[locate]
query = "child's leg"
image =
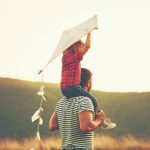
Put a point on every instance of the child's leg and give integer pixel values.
(76, 90)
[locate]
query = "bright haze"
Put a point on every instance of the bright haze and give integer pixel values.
(119, 56)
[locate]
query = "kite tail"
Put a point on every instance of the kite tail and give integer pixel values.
(37, 116)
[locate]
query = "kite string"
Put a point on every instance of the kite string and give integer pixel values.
(41, 71)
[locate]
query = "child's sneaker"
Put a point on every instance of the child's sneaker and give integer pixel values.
(107, 124)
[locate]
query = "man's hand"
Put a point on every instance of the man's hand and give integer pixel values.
(53, 123)
(100, 115)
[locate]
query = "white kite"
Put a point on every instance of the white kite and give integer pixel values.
(73, 35)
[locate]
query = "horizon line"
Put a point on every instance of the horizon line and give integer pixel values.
(111, 91)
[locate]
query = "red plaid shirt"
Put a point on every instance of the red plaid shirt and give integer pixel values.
(71, 68)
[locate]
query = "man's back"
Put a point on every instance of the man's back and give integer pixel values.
(67, 111)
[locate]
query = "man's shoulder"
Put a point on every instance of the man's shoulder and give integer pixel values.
(79, 99)
(86, 104)
(61, 100)
(83, 99)
(79, 104)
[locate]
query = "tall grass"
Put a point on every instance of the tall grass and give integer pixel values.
(100, 143)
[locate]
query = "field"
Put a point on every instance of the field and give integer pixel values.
(100, 143)
(18, 102)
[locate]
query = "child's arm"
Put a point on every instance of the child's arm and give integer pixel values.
(87, 45)
(88, 40)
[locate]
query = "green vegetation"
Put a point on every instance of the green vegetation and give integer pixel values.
(18, 102)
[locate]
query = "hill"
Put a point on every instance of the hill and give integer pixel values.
(18, 102)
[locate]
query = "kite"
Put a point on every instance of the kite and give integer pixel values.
(71, 36)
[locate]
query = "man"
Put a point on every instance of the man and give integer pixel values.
(76, 118)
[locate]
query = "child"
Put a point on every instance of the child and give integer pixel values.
(71, 70)
(71, 73)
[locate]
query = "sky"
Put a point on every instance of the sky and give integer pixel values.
(120, 48)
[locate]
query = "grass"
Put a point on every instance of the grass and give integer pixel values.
(100, 143)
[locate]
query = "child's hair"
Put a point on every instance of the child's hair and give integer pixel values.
(86, 76)
(75, 46)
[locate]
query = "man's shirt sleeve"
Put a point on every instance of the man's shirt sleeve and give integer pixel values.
(86, 105)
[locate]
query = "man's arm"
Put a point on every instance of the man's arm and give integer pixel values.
(84, 48)
(87, 124)
(53, 123)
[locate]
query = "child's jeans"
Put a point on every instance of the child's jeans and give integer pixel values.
(77, 90)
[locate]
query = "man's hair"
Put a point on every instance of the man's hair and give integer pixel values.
(86, 76)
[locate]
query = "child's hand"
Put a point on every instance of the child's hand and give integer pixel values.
(89, 34)
(81, 48)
